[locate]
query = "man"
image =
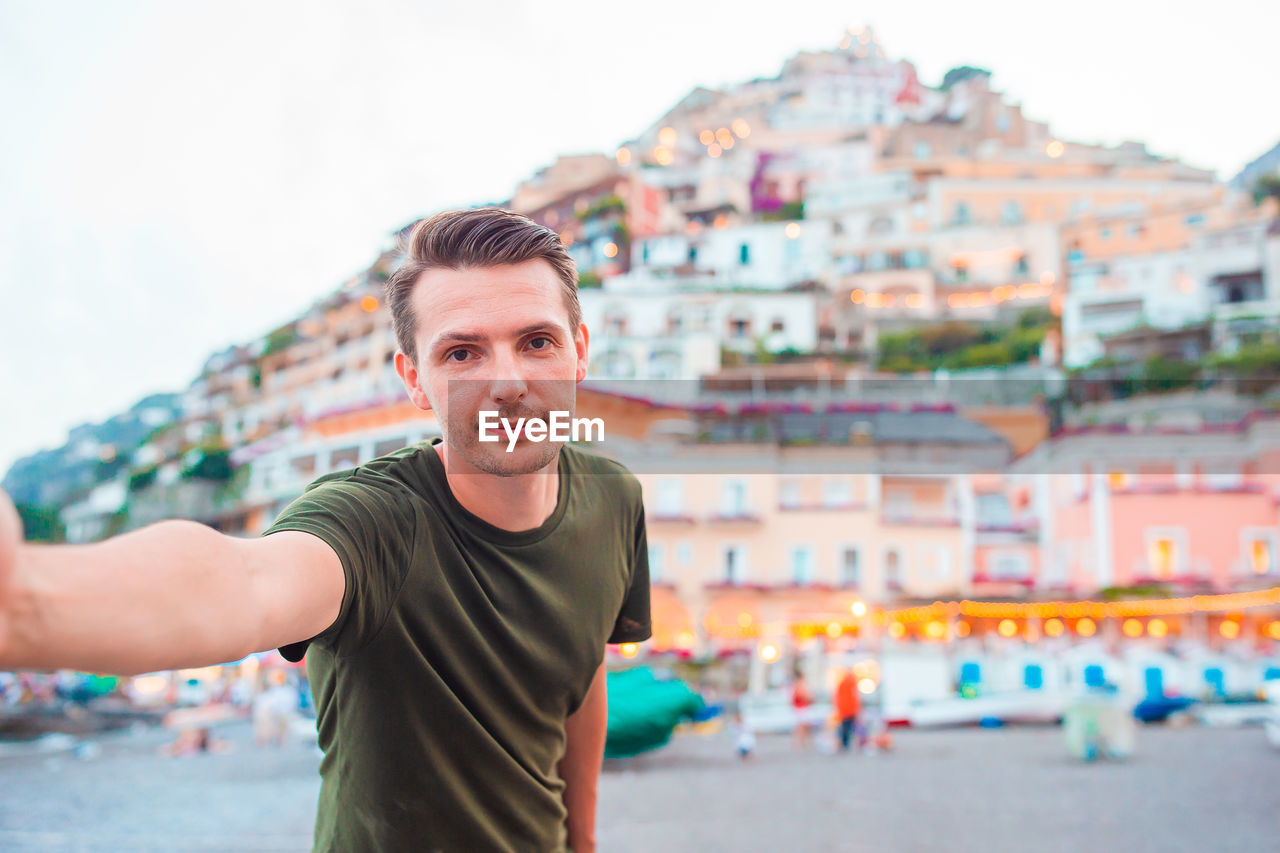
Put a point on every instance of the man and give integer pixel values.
(456, 597)
(848, 706)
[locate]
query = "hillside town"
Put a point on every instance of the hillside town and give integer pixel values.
(893, 362)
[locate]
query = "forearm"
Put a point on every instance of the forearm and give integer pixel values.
(580, 767)
(136, 603)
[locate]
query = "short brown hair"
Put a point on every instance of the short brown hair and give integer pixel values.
(481, 237)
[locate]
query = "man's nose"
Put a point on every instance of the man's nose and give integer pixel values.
(507, 385)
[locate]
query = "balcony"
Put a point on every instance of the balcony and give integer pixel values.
(734, 517)
(666, 517)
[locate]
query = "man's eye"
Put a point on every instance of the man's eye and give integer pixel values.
(460, 352)
(547, 341)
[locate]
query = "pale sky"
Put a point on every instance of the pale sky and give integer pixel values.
(178, 177)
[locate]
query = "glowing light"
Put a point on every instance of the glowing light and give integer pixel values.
(962, 629)
(629, 650)
(1054, 627)
(858, 608)
(150, 685)
(566, 237)
(857, 297)
(1132, 628)
(369, 304)
(740, 128)
(914, 300)
(768, 653)
(956, 300)
(1157, 628)
(744, 620)
(1007, 628)
(667, 136)
(713, 150)
(896, 630)
(623, 156)
(684, 640)
(866, 686)
(792, 230)
(834, 630)
(1229, 629)
(935, 630)
(707, 137)
(610, 250)
(1055, 149)
(720, 221)
(1047, 278)
(1273, 630)
(663, 156)
(1085, 627)
(875, 300)
(722, 134)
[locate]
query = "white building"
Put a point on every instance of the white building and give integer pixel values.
(647, 328)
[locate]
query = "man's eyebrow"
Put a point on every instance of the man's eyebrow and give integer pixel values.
(467, 336)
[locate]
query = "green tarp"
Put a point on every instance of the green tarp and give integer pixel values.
(643, 710)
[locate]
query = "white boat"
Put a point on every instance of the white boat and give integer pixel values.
(1015, 706)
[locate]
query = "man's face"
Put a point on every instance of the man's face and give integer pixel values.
(494, 339)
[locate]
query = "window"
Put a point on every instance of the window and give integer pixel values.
(644, 253)
(1011, 566)
(1195, 219)
(777, 325)
(733, 498)
(850, 570)
(914, 259)
(960, 214)
(1162, 555)
(892, 569)
(734, 564)
(790, 496)
(1105, 233)
(802, 565)
(923, 150)
(961, 272)
(1022, 267)
(744, 254)
(693, 254)
(1011, 212)
(1261, 555)
(655, 562)
(993, 510)
(670, 497)
(836, 493)
(684, 552)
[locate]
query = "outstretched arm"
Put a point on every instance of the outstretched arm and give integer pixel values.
(171, 595)
(584, 732)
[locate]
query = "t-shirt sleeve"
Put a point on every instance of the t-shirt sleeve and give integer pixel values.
(634, 622)
(372, 529)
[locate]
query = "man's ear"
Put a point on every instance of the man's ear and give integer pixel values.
(580, 341)
(409, 376)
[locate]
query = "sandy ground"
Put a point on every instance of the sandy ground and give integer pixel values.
(943, 792)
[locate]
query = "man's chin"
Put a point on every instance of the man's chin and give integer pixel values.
(526, 458)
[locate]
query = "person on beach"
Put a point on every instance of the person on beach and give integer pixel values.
(453, 599)
(848, 705)
(802, 702)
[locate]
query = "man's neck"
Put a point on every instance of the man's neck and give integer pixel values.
(515, 504)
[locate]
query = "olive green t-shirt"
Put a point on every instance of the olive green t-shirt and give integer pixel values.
(443, 686)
